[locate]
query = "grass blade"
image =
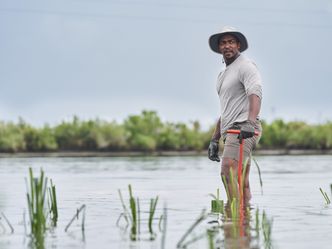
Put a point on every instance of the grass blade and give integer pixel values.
(200, 218)
(259, 174)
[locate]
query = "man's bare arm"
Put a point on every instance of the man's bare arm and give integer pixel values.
(216, 134)
(254, 107)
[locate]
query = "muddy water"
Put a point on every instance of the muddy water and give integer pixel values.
(290, 197)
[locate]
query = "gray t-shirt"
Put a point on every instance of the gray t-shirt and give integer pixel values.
(239, 80)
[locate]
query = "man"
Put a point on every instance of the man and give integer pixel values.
(239, 87)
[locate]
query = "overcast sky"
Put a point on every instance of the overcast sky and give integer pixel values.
(113, 58)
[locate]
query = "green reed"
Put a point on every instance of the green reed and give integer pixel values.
(224, 181)
(131, 215)
(53, 206)
(257, 227)
(232, 185)
(217, 205)
(8, 223)
(327, 199)
(36, 196)
(133, 209)
(153, 205)
(259, 174)
(76, 216)
(36, 202)
(200, 218)
(125, 214)
(243, 178)
(163, 218)
(211, 236)
(267, 231)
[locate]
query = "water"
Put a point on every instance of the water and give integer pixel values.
(290, 197)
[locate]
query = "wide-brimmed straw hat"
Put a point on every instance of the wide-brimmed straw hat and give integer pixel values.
(214, 39)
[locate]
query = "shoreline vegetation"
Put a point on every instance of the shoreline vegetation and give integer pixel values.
(154, 154)
(146, 135)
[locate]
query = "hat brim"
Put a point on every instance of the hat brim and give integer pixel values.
(214, 40)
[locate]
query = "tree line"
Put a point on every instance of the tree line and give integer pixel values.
(146, 132)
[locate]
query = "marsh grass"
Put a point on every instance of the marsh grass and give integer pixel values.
(233, 184)
(53, 206)
(267, 231)
(76, 216)
(125, 213)
(327, 199)
(182, 242)
(36, 201)
(259, 174)
(153, 205)
(132, 216)
(263, 229)
(257, 226)
(36, 194)
(232, 187)
(163, 219)
(224, 180)
(3, 216)
(217, 205)
(211, 237)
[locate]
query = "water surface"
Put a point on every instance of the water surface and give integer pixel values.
(290, 196)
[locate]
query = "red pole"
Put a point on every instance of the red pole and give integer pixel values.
(239, 172)
(239, 179)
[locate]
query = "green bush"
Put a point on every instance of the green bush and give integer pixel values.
(11, 138)
(146, 132)
(40, 139)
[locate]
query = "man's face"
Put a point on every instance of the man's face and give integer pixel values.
(229, 46)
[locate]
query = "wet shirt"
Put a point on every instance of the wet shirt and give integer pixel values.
(239, 80)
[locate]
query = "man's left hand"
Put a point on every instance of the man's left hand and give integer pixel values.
(247, 131)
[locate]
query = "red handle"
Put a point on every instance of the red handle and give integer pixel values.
(238, 132)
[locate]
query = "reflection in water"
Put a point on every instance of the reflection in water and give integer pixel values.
(5, 225)
(243, 230)
(36, 241)
(36, 197)
(235, 228)
(95, 183)
(132, 217)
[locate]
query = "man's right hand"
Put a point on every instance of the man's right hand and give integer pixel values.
(213, 151)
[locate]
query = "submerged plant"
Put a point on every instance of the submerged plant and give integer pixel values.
(8, 223)
(233, 187)
(163, 219)
(153, 205)
(36, 199)
(211, 236)
(217, 205)
(259, 174)
(76, 216)
(327, 199)
(36, 204)
(200, 218)
(267, 231)
(257, 227)
(132, 216)
(133, 209)
(53, 206)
